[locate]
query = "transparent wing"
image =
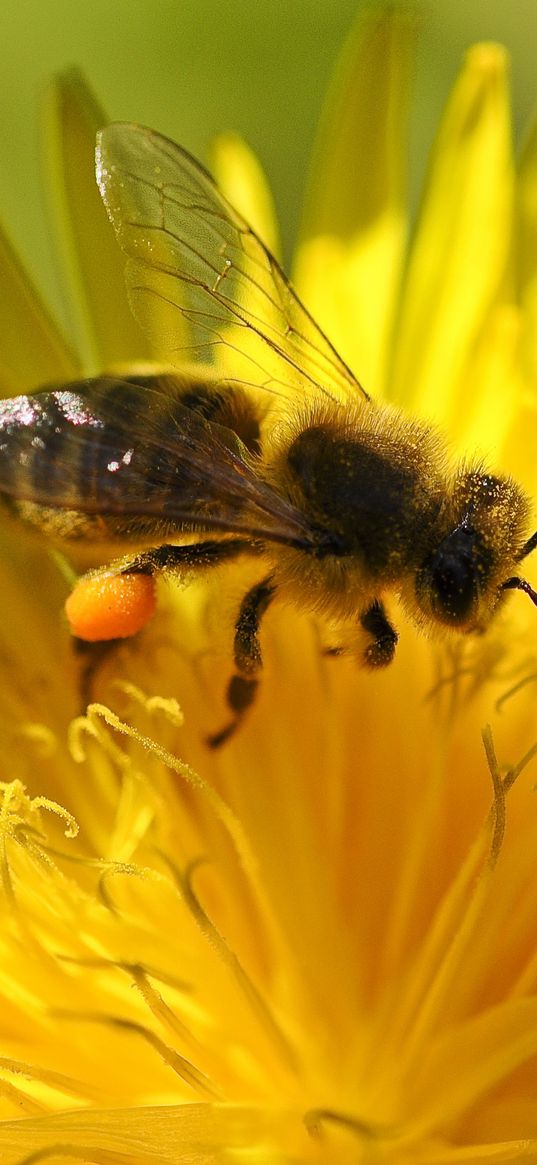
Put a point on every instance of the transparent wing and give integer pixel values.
(201, 278)
(133, 456)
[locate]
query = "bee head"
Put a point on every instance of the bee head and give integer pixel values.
(463, 577)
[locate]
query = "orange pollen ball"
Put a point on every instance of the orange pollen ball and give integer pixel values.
(110, 606)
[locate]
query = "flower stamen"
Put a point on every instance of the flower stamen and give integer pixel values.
(179, 1064)
(364, 1130)
(255, 1000)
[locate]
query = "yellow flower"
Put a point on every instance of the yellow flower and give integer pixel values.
(319, 943)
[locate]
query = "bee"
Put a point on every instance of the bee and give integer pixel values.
(255, 441)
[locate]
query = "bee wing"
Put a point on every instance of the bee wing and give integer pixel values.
(201, 279)
(133, 453)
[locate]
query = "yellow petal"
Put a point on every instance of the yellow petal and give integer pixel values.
(106, 329)
(201, 1134)
(492, 407)
(473, 1057)
(25, 365)
(352, 245)
(459, 260)
(241, 178)
(526, 248)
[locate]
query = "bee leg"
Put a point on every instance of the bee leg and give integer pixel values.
(243, 684)
(92, 656)
(197, 555)
(381, 648)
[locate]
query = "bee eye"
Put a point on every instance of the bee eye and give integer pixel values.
(453, 590)
(447, 585)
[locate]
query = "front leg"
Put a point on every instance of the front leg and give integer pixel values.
(242, 687)
(381, 638)
(381, 647)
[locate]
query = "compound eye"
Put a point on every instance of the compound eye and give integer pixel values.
(453, 591)
(447, 585)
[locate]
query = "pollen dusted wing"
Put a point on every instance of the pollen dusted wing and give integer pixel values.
(134, 456)
(201, 278)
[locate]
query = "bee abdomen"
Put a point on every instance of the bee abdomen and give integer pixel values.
(122, 458)
(37, 464)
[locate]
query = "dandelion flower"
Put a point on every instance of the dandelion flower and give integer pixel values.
(317, 944)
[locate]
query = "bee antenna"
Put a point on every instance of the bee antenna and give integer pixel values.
(520, 584)
(527, 548)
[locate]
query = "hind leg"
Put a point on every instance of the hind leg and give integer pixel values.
(195, 556)
(192, 559)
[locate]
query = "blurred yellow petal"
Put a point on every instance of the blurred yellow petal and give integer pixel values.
(105, 328)
(241, 178)
(32, 625)
(518, 452)
(497, 389)
(45, 355)
(352, 243)
(460, 258)
(526, 248)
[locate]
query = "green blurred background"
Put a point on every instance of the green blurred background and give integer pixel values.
(191, 68)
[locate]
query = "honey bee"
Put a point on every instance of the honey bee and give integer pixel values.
(261, 443)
